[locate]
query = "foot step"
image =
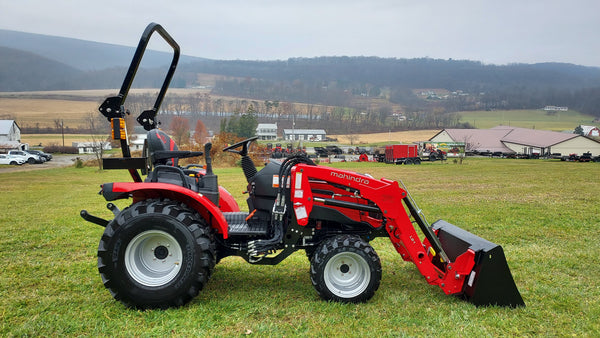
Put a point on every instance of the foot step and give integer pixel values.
(239, 227)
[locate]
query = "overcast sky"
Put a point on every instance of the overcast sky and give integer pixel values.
(491, 31)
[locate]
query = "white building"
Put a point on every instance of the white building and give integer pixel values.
(304, 134)
(90, 147)
(266, 131)
(138, 138)
(10, 135)
(556, 108)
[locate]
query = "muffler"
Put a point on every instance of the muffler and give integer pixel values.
(490, 281)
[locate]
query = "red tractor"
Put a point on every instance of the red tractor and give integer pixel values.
(160, 251)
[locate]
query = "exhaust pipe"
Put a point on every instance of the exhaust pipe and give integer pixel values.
(490, 281)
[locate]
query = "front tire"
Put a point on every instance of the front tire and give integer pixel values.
(156, 254)
(345, 269)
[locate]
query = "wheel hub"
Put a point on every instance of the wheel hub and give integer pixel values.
(161, 252)
(344, 268)
(153, 258)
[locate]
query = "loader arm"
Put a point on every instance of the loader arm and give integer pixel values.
(387, 197)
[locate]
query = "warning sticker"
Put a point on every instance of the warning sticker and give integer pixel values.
(298, 183)
(300, 212)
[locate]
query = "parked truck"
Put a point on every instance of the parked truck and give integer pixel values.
(402, 154)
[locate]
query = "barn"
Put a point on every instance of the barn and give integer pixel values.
(10, 135)
(514, 140)
(592, 131)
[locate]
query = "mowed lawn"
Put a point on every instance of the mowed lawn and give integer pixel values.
(545, 214)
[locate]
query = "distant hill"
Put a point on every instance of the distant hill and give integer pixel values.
(39, 62)
(82, 54)
(26, 71)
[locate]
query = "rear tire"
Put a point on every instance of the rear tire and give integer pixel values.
(156, 254)
(345, 269)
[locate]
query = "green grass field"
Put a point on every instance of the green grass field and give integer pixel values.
(544, 213)
(533, 119)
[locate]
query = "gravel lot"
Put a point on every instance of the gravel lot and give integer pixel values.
(57, 161)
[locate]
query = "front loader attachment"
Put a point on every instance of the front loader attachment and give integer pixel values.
(463, 257)
(490, 281)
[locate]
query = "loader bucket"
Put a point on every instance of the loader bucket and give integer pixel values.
(490, 281)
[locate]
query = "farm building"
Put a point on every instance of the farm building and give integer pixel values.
(266, 131)
(137, 138)
(591, 131)
(304, 134)
(10, 135)
(513, 140)
(90, 147)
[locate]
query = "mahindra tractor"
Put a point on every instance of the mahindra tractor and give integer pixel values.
(161, 250)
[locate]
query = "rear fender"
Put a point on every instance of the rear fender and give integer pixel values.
(197, 201)
(227, 202)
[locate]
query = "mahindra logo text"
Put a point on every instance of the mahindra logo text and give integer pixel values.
(357, 179)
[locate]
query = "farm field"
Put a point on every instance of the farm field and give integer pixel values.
(544, 214)
(72, 106)
(533, 119)
(43, 112)
(55, 139)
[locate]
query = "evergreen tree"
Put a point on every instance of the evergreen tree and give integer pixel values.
(248, 123)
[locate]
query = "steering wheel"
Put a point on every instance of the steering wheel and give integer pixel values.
(245, 144)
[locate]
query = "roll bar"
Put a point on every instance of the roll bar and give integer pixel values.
(113, 107)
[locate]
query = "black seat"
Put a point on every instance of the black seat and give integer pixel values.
(163, 150)
(164, 156)
(159, 141)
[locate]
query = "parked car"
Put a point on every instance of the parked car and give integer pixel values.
(8, 159)
(26, 156)
(40, 153)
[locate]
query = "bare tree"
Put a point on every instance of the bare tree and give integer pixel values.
(200, 133)
(180, 129)
(95, 123)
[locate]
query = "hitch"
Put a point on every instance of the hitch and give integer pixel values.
(93, 219)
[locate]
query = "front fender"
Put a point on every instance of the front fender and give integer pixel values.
(143, 191)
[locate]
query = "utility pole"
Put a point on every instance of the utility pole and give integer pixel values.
(293, 130)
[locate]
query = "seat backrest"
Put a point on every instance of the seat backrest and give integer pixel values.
(160, 141)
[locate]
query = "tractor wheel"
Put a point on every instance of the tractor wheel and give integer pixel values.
(310, 253)
(345, 269)
(156, 254)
